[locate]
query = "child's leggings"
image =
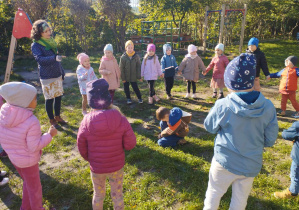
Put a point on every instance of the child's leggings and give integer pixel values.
(84, 102)
(112, 95)
(57, 106)
(32, 188)
(151, 84)
(135, 88)
(219, 181)
(189, 86)
(99, 189)
(292, 97)
(168, 81)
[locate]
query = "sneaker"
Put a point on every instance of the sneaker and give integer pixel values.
(220, 96)
(284, 194)
(182, 142)
(3, 154)
(168, 97)
(140, 101)
(193, 95)
(150, 100)
(129, 101)
(3, 173)
(4, 181)
(214, 95)
(156, 98)
(187, 95)
(296, 115)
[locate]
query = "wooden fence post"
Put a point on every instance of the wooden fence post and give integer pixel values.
(205, 33)
(243, 29)
(13, 43)
(222, 23)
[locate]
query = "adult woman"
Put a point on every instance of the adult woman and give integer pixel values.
(51, 73)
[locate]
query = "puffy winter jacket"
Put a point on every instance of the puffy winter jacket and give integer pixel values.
(110, 71)
(152, 69)
(102, 137)
(261, 62)
(288, 80)
(21, 136)
(190, 68)
(46, 59)
(130, 68)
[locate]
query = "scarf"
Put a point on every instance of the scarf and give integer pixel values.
(130, 55)
(50, 44)
(191, 56)
(150, 57)
(105, 58)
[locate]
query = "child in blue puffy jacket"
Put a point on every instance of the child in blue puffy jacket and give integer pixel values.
(169, 67)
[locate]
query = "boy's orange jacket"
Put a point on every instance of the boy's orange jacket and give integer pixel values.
(288, 80)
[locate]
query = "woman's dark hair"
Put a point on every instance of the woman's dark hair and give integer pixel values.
(37, 29)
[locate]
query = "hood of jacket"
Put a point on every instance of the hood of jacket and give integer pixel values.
(165, 47)
(242, 109)
(11, 116)
(103, 122)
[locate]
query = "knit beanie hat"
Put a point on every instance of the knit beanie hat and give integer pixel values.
(192, 48)
(166, 47)
(175, 115)
(293, 59)
(128, 43)
(151, 47)
(253, 41)
(82, 57)
(98, 96)
(220, 46)
(18, 93)
(108, 47)
(240, 72)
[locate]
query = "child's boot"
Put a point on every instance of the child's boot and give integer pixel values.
(150, 100)
(284, 194)
(54, 123)
(220, 96)
(187, 95)
(193, 95)
(60, 120)
(214, 95)
(156, 98)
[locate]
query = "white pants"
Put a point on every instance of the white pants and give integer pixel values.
(219, 181)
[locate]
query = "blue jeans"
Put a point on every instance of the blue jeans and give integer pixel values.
(294, 188)
(169, 141)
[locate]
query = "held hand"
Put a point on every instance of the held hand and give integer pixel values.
(179, 73)
(52, 131)
(63, 56)
(124, 81)
(204, 73)
(141, 80)
(162, 75)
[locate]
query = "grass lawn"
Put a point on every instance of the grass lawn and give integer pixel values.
(155, 177)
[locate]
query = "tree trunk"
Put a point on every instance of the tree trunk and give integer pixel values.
(291, 32)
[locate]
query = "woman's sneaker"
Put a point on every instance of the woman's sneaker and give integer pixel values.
(3, 173)
(129, 101)
(187, 95)
(4, 181)
(140, 101)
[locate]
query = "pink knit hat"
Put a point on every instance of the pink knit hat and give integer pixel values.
(192, 48)
(151, 47)
(82, 57)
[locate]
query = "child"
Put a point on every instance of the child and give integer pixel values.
(261, 62)
(130, 68)
(292, 134)
(288, 84)
(190, 69)
(3, 180)
(169, 67)
(85, 74)
(219, 62)
(21, 137)
(150, 70)
(178, 121)
(103, 136)
(245, 122)
(109, 70)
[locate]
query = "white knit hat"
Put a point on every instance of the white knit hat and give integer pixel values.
(18, 93)
(220, 46)
(192, 48)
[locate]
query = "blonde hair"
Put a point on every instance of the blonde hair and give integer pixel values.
(146, 57)
(128, 43)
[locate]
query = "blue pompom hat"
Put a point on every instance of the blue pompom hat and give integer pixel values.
(98, 96)
(175, 115)
(253, 41)
(240, 72)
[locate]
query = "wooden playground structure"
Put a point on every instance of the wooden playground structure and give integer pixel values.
(224, 13)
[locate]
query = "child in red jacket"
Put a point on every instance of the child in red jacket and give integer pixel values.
(103, 136)
(288, 84)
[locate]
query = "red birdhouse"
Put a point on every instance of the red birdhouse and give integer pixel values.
(22, 25)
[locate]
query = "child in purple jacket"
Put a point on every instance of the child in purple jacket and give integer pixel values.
(150, 70)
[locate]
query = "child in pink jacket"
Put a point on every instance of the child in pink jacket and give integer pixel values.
(21, 138)
(219, 62)
(150, 70)
(103, 136)
(109, 70)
